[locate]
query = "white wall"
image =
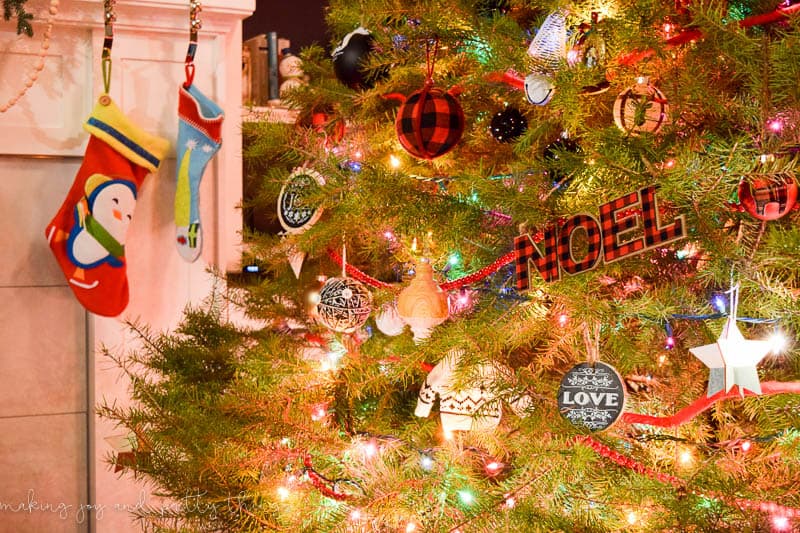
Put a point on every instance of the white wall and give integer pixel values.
(52, 447)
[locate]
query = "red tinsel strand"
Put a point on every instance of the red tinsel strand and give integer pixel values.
(631, 464)
(359, 275)
(477, 276)
(320, 482)
(448, 286)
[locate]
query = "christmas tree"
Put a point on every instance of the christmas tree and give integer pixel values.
(537, 270)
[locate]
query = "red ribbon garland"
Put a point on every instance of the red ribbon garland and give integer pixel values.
(483, 273)
(322, 483)
(355, 273)
(639, 468)
(768, 388)
(447, 286)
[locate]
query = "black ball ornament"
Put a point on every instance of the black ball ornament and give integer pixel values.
(351, 57)
(508, 124)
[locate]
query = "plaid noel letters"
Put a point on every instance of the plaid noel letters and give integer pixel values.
(628, 225)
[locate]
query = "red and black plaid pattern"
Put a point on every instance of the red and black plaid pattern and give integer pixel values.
(653, 233)
(612, 228)
(429, 123)
(526, 252)
(594, 244)
(768, 200)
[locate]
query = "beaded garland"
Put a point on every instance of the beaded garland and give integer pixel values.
(39, 66)
(469, 279)
(639, 468)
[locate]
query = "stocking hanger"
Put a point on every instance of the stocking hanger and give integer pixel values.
(194, 27)
(109, 17)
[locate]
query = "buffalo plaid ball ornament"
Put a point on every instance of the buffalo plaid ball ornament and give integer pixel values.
(430, 121)
(768, 199)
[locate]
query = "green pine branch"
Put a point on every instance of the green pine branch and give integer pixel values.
(16, 8)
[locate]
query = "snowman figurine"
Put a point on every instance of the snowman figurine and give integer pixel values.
(102, 218)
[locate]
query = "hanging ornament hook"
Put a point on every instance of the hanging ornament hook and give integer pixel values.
(431, 50)
(195, 7)
(591, 339)
(344, 256)
(109, 17)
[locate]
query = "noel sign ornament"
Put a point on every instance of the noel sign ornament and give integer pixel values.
(627, 225)
(592, 396)
(294, 212)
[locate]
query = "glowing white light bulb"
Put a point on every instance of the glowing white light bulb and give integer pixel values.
(370, 450)
(686, 458)
(494, 467)
(411, 527)
(778, 342)
(781, 523)
(355, 515)
(426, 462)
(632, 518)
(283, 493)
(394, 161)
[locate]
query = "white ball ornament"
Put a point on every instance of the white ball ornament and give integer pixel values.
(344, 305)
(389, 321)
(538, 88)
(291, 66)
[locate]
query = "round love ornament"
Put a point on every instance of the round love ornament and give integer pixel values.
(294, 211)
(592, 396)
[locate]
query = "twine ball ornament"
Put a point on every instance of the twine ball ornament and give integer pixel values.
(641, 108)
(423, 304)
(508, 124)
(344, 304)
(549, 46)
(768, 199)
(547, 50)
